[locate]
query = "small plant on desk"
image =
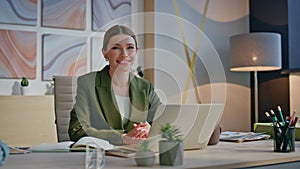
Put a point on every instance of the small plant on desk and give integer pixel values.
(144, 156)
(171, 147)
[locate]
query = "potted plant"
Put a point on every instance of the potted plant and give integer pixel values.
(144, 156)
(171, 146)
(24, 86)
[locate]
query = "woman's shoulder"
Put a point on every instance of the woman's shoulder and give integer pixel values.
(140, 82)
(90, 75)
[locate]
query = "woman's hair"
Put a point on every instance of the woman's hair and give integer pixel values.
(117, 30)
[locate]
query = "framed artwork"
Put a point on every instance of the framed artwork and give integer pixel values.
(17, 54)
(109, 12)
(23, 12)
(64, 55)
(68, 14)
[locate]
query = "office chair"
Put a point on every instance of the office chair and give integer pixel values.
(64, 98)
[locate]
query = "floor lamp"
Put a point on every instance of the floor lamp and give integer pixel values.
(255, 52)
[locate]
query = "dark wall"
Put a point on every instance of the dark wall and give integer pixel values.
(272, 16)
(294, 35)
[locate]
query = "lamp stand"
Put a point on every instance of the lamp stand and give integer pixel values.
(256, 96)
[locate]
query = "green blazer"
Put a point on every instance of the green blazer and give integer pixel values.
(96, 113)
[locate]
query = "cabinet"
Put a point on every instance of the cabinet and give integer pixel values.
(27, 120)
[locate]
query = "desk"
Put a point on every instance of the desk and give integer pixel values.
(27, 120)
(222, 155)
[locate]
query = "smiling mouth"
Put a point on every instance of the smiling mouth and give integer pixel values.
(124, 61)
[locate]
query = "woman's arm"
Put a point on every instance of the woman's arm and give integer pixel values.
(77, 130)
(154, 102)
(80, 122)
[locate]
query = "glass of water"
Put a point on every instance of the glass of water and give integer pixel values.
(94, 156)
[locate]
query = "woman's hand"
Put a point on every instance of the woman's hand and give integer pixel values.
(139, 132)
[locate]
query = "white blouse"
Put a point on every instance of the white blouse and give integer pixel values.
(124, 107)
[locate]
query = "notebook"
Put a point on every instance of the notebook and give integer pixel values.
(196, 122)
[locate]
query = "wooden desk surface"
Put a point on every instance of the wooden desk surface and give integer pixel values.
(223, 155)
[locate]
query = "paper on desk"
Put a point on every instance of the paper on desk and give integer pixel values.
(72, 146)
(242, 136)
(61, 146)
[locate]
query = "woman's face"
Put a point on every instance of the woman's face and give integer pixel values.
(121, 52)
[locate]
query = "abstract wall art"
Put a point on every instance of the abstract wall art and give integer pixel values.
(64, 55)
(22, 12)
(69, 14)
(109, 12)
(17, 54)
(43, 38)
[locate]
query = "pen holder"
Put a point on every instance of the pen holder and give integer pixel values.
(284, 139)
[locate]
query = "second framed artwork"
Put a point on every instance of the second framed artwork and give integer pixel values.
(64, 55)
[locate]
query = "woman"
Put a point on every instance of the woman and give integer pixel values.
(112, 103)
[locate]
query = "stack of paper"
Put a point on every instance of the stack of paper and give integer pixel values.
(242, 136)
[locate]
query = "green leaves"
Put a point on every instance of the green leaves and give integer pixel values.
(171, 133)
(144, 145)
(24, 81)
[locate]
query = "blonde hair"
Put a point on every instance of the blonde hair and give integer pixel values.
(117, 30)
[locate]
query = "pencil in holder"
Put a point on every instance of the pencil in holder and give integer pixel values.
(284, 139)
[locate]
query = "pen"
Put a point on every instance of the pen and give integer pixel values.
(276, 125)
(294, 113)
(268, 115)
(273, 114)
(292, 119)
(281, 116)
(295, 121)
(275, 118)
(277, 131)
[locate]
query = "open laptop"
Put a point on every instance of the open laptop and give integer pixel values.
(195, 121)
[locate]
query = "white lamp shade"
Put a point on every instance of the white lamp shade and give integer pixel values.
(255, 52)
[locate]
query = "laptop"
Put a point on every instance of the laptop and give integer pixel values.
(195, 121)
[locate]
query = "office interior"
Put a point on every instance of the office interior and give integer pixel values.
(47, 28)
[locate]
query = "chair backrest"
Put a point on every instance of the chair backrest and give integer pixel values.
(64, 99)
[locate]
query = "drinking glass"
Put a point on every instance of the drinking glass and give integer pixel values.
(94, 157)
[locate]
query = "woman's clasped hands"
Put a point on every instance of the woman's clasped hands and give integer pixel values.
(139, 132)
